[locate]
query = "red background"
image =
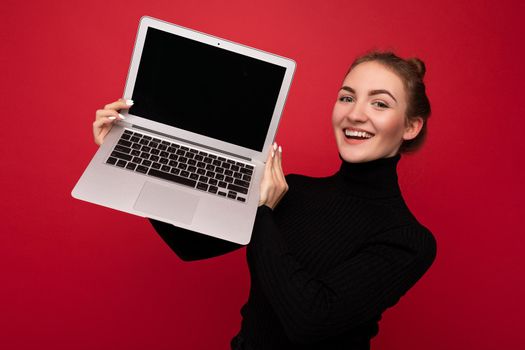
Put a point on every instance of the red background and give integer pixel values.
(78, 276)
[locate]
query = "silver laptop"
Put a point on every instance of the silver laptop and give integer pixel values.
(192, 148)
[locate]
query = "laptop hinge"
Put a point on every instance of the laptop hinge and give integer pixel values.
(190, 142)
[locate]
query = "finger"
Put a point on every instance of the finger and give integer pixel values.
(277, 167)
(269, 161)
(120, 104)
(104, 113)
(99, 131)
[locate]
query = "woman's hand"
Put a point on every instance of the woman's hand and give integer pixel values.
(273, 184)
(105, 118)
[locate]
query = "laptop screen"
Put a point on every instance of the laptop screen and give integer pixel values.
(205, 89)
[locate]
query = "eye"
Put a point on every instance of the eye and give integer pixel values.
(380, 104)
(346, 99)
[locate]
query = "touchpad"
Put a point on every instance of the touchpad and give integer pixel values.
(166, 202)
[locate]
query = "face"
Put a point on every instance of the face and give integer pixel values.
(369, 115)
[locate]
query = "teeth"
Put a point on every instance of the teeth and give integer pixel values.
(354, 133)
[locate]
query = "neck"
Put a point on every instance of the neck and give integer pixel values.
(373, 179)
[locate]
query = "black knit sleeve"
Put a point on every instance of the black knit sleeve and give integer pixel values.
(312, 308)
(189, 245)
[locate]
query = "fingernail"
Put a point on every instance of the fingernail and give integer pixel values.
(275, 146)
(112, 118)
(129, 102)
(273, 154)
(121, 116)
(280, 149)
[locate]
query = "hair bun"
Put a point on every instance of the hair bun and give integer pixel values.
(418, 65)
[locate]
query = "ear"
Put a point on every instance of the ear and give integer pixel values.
(412, 128)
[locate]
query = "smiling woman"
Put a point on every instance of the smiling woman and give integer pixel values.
(329, 255)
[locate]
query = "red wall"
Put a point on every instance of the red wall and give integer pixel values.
(79, 276)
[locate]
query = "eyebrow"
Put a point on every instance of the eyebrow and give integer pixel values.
(371, 92)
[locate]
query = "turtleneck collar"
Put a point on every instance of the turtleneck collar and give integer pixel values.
(374, 179)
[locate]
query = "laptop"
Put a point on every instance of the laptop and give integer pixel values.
(192, 148)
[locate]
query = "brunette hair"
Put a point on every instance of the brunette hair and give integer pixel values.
(411, 71)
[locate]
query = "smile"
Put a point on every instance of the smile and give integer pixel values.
(359, 135)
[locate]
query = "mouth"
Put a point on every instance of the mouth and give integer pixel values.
(357, 134)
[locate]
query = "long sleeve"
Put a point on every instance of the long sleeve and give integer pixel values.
(312, 308)
(189, 245)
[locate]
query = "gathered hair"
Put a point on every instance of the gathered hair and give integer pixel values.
(411, 71)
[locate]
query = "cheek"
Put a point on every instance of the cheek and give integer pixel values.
(337, 115)
(393, 128)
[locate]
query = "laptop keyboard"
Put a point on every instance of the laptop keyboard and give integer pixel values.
(183, 165)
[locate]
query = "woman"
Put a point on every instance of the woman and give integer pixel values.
(337, 251)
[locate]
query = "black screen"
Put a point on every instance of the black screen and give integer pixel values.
(205, 89)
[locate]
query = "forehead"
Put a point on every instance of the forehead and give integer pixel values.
(374, 76)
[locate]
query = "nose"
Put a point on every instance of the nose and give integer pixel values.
(357, 113)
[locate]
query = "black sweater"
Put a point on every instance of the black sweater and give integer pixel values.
(327, 262)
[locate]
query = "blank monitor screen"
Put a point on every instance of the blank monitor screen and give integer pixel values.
(206, 89)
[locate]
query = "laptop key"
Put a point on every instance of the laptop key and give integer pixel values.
(184, 173)
(163, 160)
(121, 163)
(201, 171)
(121, 155)
(175, 171)
(221, 193)
(239, 189)
(213, 182)
(246, 171)
(237, 175)
(241, 183)
(194, 176)
(156, 165)
(202, 186)
(212, 189)
(241, 199)
(131, 166)
(222, 184)
(111, 160)
(122, 149)
(228, 179)
(165, 168)
(135, 153)
(124, 143)
(232, 195)
(146, 162)
(172, 177)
